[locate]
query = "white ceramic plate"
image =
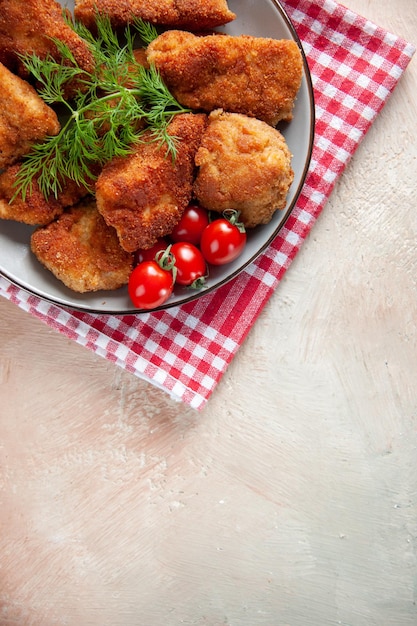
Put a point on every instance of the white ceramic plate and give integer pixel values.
(261, 18)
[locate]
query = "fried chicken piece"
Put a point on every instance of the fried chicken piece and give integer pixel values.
(255, 76)
(144, 194)
(35, 209)
(82, 251)
(141, 57)
(244, 164)
(191, 14)
(27, 26)
(24, 118)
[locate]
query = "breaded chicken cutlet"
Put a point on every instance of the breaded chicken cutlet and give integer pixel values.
(244, 164)
(82, 251)
(24, 118)
(255, 76)
(143, 195)
(28, 26)
(34, 209)
(191, 14)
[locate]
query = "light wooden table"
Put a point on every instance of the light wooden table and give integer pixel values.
(291, 500)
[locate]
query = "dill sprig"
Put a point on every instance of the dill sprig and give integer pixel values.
(114, 105)
(146, 31)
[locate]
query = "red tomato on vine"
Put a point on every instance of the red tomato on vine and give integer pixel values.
(224, 239)
(151, 282)
(190, 264)
(149, 254)
(191, 225)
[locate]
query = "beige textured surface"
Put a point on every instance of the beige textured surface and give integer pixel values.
(292, 499)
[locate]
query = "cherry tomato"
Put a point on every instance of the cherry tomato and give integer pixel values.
(150, 285)
(150, 253)
(191, 225)
(222, 241)
(190, 264)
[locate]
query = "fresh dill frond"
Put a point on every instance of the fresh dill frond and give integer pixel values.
(51, 76)
(146, 30)
(65, 52)
(114, 105)
(44, 164)
(163, 138)
(153, 91)
(106, 37)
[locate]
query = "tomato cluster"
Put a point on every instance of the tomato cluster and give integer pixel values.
(195, 243)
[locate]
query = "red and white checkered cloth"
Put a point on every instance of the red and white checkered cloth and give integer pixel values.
(355, 66)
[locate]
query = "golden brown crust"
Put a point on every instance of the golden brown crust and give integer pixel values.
(24, 118)
(27, 26)
(82, 251)
(141, 57)
(34, 209)
(144, 195)
(244, 165)
(191, 14)
(251, 75)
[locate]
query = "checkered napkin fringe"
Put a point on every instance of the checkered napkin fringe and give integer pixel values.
(355, 65)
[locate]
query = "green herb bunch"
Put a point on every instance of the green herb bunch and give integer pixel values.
(112, 108)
